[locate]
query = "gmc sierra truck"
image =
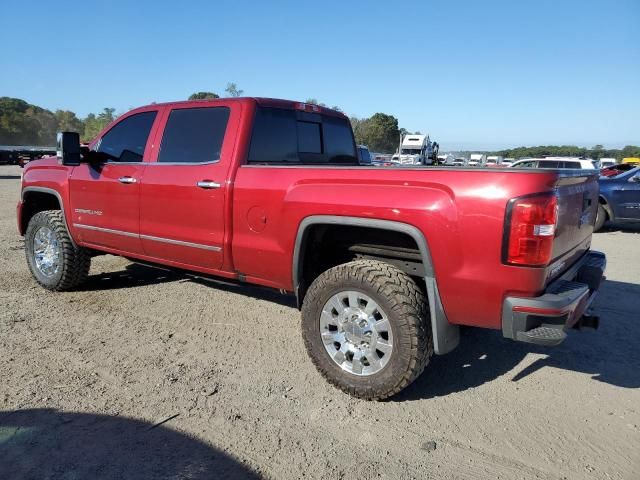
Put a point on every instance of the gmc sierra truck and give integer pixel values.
(386, 263)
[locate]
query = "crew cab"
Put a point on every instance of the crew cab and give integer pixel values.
(271, 192)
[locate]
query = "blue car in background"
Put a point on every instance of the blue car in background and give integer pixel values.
(619, 195)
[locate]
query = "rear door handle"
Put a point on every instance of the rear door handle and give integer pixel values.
(127, 180)
(208, 184)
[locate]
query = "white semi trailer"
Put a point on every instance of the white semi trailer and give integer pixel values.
(416, 149)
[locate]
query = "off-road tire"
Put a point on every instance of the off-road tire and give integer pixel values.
(407, 310)
(601, 217)
(75, 262)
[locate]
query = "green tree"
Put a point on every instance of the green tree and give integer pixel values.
(67, 121)
(203, 96)
(93, 124)
(24, 124)
(232, 90)
(314, 101)
(358, 125)
(381, 133)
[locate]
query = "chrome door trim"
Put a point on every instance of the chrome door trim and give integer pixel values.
(181, 243)
(105, 230)
(149, 237)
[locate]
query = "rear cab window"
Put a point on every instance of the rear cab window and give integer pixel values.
(288, 137)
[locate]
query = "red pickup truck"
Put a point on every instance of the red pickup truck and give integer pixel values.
(386, 263)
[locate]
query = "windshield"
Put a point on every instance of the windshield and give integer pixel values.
(410, 151)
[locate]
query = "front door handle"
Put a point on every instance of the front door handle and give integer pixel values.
(127, 180)
(208, 184)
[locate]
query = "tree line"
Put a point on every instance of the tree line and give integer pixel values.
(22, 123)
(596, 152)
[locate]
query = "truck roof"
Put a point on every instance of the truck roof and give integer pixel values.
(267, 102)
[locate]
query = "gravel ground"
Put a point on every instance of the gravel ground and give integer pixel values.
(148, 374)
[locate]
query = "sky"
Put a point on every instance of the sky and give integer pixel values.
(472, 74)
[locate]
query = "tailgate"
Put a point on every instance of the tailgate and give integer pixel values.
(577, 208)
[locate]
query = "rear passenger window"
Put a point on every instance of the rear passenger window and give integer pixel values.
(572, 165)
(550, 164)
(274, 138)
(194, 135)
(282, 136)
(125, 142)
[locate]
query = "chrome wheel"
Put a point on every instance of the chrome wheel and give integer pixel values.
(46, 251)
(356, 333)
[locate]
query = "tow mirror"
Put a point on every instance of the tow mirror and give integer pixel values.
(68, 149)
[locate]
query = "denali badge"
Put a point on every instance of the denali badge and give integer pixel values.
(88, 212)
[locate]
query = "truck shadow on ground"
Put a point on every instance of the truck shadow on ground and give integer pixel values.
(137, 275)
(47, 443)
(609, 354)
(627, 227)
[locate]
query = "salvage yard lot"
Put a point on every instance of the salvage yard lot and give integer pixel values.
(87, 376)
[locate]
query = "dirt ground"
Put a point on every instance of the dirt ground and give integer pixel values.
(87, 377)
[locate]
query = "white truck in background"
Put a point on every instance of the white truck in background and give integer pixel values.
(416, 149)
(477, 160)
(445, 159)
(607, 162)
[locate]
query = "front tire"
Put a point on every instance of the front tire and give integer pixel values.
(367, 329)
(601, 217)
(53, 260)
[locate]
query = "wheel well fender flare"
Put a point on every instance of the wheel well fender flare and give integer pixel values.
(445, 335)
(56, 194)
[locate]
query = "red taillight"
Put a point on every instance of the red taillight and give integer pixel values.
(531, 225)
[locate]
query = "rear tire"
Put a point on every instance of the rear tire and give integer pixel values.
(53, 260)
(601, 218)
(399, 304)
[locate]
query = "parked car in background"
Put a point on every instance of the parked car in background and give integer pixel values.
(607, 162)
(506, 162)
(494, 160)
(631, 160)
(555, 162)
(477, 160)
(445, 159)
(619, 197)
